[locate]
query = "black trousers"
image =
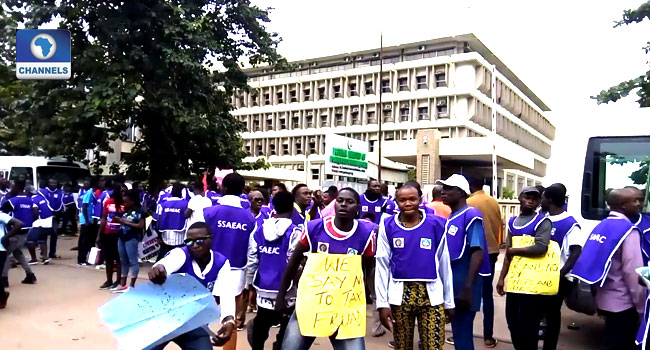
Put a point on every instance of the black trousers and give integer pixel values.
(3, 259)
(69, 220)
(620, 329)
(262, 324)
(87, 238)
(523, 314)
(553, 315)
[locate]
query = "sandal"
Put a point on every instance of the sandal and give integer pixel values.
(490, 343)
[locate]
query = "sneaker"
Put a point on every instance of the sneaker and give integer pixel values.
(29, 279)
(3, 300)
(378, 333)
(450, 340)
(391, 344)
(100, 267)
(32, 262)
(46, 261)
(241, 327)
(119, 289)
(106, 285)
(82, 264)
(276, 325)
(115, 285)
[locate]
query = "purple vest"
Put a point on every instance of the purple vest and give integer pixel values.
(528, 229)
(231, 228)
(211, 277)
(44, 210)
(321, 240)
(561, 228)
(456, 231)
(272, 259)
(171, 215)
(67, 199)
(54, 197)
(22, 210)
(98, 207)
(595, 260)
(643, 224)
(374, 207)
(263, 215)
(297, 218)
(213, 196)
(414, 250)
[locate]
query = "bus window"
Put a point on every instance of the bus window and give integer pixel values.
(65, 175)
(611, 163)
(21, 173)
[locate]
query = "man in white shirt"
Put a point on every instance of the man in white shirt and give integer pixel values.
(16, 225)
(195, 206)
(567, 233)
(212, 270)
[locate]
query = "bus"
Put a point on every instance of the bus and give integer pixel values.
(613, 162)
(38, 169)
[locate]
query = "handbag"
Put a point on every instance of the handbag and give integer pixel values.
(580, 298)
(93, 256)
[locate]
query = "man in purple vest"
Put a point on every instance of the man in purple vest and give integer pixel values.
(524, 312)
(568, 235)
(170, 220)
(373, 202)
(267, 258)
(20, 207)
(212, 270)
(642, 222)
(302, 197)
(469, 258)
(231, 225)
(608, 261)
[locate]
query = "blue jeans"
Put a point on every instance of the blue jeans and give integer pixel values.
(462, 325)
(293, 340)
(197, 339)
(488, 300)
(129, 256)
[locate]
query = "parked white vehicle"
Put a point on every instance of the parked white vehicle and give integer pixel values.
(37, 169)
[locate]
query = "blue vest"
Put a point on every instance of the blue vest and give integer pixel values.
(263, 215)
(82, 192)
(414, 250)
(213, 196)
(210, 278)
(171, 215)
(595, 260)
(54, 197)
(456, 231)
(231, 228)
(643, 224)
(322, 241)
(374, 207)
(44, 210)
(272, 259)
(297, 218)
(528, 229)
(561, 228)
(22, 210)
(99, 203)
(67, 199)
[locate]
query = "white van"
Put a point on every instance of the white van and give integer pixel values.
(37, 169)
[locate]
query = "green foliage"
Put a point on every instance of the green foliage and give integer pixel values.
(640, 83)
(169, 67)
(508, 193)
(412, 174)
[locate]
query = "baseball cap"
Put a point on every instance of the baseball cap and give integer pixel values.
(530, 189)
(456, 180)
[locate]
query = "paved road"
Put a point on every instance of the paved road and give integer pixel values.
(60, 312)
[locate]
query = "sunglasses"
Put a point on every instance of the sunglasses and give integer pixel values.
(199, 241)
(258, 199)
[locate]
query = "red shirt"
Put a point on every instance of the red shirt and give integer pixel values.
(112, 212)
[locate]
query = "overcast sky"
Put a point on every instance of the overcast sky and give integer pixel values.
(565, 51)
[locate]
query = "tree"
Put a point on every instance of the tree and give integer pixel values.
(169, 67)
(642, 83)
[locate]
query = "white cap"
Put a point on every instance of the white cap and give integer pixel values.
(456, 180)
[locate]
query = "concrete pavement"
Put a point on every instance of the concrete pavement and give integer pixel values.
(60, 312)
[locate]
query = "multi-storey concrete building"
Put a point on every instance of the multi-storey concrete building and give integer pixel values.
(438, 99)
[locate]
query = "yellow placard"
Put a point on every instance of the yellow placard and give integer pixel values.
(534, 275)
(332, 297)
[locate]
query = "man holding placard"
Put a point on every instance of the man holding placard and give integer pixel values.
(608, 261)
(331, 298)
(532, 268)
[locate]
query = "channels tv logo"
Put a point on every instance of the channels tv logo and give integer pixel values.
(43, 54)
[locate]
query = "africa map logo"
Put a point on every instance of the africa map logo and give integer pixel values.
(43, 54)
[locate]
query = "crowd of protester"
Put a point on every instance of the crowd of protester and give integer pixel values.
(426, 264)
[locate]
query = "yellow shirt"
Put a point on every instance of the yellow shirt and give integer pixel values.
(492, 222)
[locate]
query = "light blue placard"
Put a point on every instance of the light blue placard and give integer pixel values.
(150, 314)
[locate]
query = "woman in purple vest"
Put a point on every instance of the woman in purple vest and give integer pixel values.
(212, 270)
(340, 234)
(267, 258)
(171, 222)
(469, 258)
(19, 205)
(413, 278)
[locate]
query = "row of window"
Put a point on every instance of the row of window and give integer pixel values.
(398, 111)
(516, 105)
(362, 85)
(516, 134)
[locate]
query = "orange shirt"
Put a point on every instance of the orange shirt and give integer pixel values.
(441, 208)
